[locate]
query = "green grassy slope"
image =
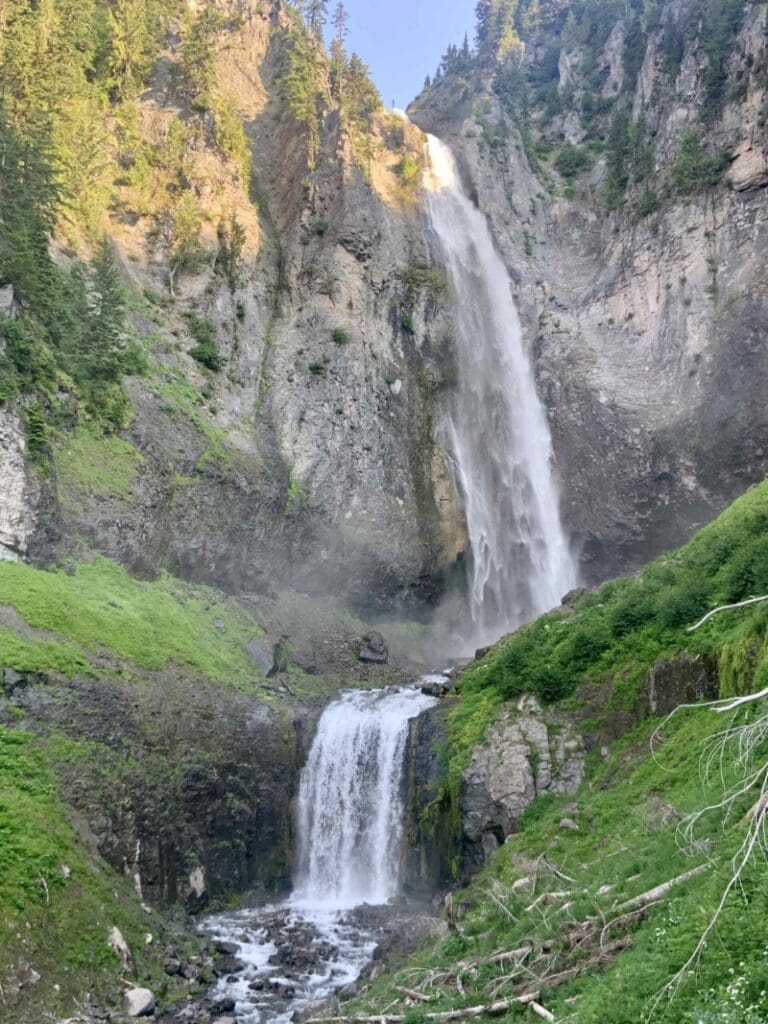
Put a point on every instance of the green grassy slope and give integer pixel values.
(100, 610)
(590, 960)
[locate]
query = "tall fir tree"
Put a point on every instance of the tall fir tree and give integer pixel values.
(338, 58)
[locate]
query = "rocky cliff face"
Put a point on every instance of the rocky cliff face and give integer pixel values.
(647, 328)
(308, 460)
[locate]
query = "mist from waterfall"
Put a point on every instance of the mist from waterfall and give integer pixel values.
(494, 427)
(350, 807)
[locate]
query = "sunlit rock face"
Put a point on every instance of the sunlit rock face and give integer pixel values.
(18, 492)
(646, 332)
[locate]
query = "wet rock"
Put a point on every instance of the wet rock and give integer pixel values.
(304, 658)
(374, 649)
(228, 965)
(684, 679)
(224, 1005)
(437, 687)
(138, 1002)
(227, 948)
(172, 967)
(257, 985)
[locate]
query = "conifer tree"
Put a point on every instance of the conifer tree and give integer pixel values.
(340, 24)
(104, 336)
(317, 15)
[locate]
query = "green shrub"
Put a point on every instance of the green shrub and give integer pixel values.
(573, 160)
(408, 169)
(340, 336)
(206, 350)
(696, 169)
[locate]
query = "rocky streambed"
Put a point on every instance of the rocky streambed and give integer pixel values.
(283, 961)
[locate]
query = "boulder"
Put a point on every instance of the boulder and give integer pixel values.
(12, 680)
(7, 301)
(226, 948)
(261, 653)
(374, 649)
(520, 757)
(138, 1002)
(304, 658)
(683, 679)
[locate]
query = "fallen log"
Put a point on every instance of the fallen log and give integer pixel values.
(411, 993)
(489, 1010)
(657, 893)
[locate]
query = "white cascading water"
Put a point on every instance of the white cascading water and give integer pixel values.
(495, 429)
(350, 809)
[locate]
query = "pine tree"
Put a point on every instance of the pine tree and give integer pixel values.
(131, 46)
(317, 15)
(340, 24)
(198, 56)
(104, 336)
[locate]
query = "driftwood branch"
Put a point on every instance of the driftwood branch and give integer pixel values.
(727, 608)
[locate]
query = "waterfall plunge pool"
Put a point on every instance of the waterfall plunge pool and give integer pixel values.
(350, 819)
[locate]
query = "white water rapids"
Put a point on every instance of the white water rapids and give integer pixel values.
(494, 426)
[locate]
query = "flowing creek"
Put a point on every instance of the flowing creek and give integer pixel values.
(350, 829)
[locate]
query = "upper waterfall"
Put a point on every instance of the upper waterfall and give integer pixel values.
(350, 810)
(494, 427)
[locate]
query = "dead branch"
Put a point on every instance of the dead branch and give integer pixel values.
(726, 608)
(488, 1009)
(546, 897)
(411, 993)
(551, 867)
(660, 891)
(632, 915)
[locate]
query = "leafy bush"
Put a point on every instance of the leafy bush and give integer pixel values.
(340, 336)
(695, 168)
(206, 350)
(408, 169)
(572, 160)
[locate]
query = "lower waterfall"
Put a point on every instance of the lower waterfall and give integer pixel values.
(350, 809)
(494, 426)
(350, 824)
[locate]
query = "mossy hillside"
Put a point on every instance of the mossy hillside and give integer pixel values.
(628, 838)
(622, 629)
(98, 609)
(58, 901)
(89, 465)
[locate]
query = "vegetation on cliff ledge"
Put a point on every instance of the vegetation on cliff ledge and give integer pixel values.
(598, 906)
